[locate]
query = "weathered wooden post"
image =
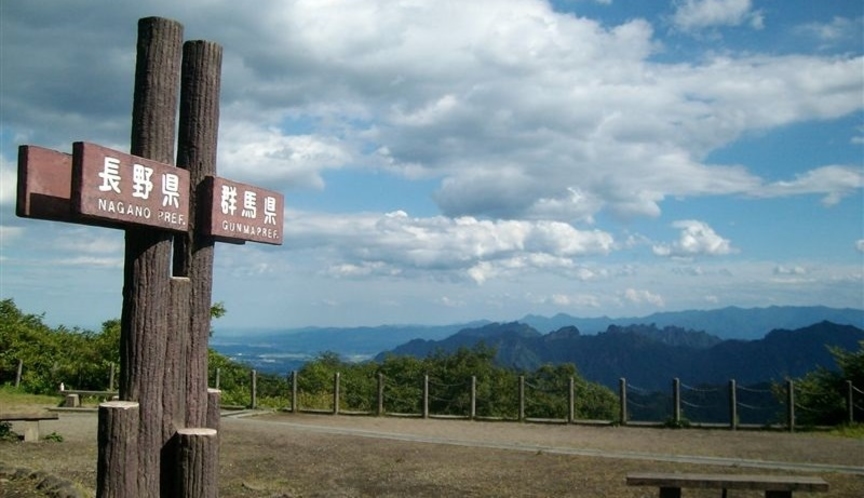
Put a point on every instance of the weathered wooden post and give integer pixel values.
(676, 401)
(622, 400)
(521, 398)
(214, 401)
(218, 379)
(111, 377)
(850, 401)
(18, 373)
(790, 405)
(196, 473)
(147, 273)
(426, 396)
(295, 404)
(336, 396)
(117, 464)
(380, 409)
(733, 405)
(253, 389)
(473, 397)
(571, 400)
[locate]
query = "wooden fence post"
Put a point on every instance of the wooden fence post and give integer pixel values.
(622, 399)
(790, 404)
(676, 401)
(571, 400)
(111, 378)
(380, 409)
(733, 405)
(850, 401)
(18, 373)
(214, 401)
(425, 396)
(473, 397)
(117, 464)
(521, 398)
(295, 404)
(197, 463)
(253, 389)
(336, 393)
(218, 378)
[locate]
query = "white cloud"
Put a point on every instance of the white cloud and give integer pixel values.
(790, 270)
(9, 234)
(859, 245)
(837, 30)
(395, 244)
(8, 182)
(692, 15)
(637, 296)
(835, 182)
(696, 239)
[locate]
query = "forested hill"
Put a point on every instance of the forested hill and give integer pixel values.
(650, 357)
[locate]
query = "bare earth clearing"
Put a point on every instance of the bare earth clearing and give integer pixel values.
(286, 455)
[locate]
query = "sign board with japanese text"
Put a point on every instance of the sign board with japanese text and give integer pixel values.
(118, 187)
(240, 212)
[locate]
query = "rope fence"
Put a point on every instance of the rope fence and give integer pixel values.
(533, 400)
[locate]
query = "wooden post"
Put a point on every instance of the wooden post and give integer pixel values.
(733, 405)
(253, 389)
(676, 401)
(111, 377)
(295, 403)
(117, 464)
(173, 393)
(850, 401)
(336, 393)
(193, 250)
(380, 411)
(146, 274)
(790, 405)
(426, 396)
(571, 401)
(214, 400)
(521, 398)
(473, 397)
(218, 375)
(622, 399)
(197, 463)
(18, 373)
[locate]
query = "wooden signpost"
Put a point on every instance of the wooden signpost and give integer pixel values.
(160, 439)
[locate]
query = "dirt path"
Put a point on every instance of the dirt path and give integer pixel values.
(286, 455)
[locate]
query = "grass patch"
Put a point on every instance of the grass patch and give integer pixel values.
(854, 431)
(11, 397)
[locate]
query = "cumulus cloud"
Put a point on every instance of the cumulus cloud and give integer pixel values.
(835, 182)
(390, 244)
(696, 238)
(691, 15)
(501, 110)
(641, 296)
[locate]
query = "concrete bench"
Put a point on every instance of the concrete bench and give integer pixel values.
(31, 422)
(775, 486)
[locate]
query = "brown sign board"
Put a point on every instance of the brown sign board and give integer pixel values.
(120, 188)
(240, 212)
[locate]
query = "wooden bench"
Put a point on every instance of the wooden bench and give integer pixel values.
(31, 422)
(72, 397)
(775, 486)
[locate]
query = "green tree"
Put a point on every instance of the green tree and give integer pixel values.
(821, 395)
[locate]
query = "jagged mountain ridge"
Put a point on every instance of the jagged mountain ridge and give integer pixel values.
(650, 357)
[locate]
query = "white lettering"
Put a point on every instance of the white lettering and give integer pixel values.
(110, 175)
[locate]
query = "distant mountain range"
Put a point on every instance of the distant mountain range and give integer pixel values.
(651, 357)
(280, 351)
(727, 323)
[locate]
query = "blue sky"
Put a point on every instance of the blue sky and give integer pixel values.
(449, 161)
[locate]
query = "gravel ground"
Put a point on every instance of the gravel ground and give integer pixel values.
(287, 455)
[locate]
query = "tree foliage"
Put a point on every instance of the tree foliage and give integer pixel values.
(822, 395)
